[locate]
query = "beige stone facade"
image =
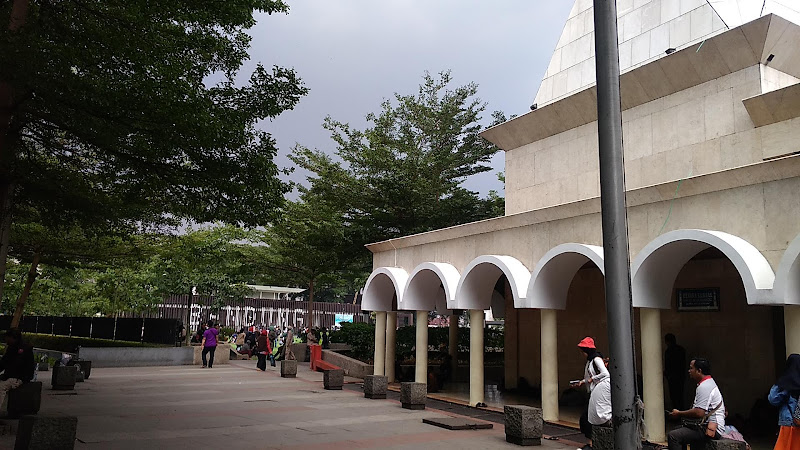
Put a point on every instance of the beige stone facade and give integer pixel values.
(711, 137)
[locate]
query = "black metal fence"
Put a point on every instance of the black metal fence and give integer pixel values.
(151, 330)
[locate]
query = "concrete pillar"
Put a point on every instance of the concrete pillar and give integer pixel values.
(653, 373)
(475, 356)
(421, 374)
(549, 358)
(380, 343)
(391, 344)
(791, 320)
(452, 345)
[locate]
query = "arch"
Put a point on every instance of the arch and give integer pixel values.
(475, 287)
(431, 287)
(382, 285)
(657, 265)
(554, 273)
(787, 279)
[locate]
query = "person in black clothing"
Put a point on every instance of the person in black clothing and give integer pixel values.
(675, 371)
(325, 338)
(17, 363)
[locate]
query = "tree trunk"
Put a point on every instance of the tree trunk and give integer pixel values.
(23, 297)
(19, 14)
(310, 319)
(7, 190)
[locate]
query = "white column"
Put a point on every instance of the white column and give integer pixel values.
(380, 343)
(549, 357)
(391, 344)
(475, 356)
(453, 343)
(791, 320)
(653, 373)
(421, 375)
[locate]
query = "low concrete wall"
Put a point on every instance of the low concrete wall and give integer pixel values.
(352, 367)
(221, 356)
(136, 356)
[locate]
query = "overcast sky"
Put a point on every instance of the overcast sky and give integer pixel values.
(352, 54)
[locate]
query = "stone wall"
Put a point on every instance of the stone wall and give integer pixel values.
(136, 356)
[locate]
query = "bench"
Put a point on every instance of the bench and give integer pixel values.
(24, 400)
(322, 366)
(725, 444)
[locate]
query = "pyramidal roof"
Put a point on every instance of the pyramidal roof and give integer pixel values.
(646, 28)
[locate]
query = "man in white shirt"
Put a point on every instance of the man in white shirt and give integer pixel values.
(708, 406)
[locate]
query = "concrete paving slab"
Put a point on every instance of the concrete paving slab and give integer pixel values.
(188, 407)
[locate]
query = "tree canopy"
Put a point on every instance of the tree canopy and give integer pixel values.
(403, 174)
(128, 115)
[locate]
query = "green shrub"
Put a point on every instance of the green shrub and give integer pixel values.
(360, 337)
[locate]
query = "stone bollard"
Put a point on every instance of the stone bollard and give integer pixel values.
(375, 386)
(413, 395)
(523, 424)
(289, 368)
(725, 444)
(333, 379)
(26, 399)
(79, 378)
(63, 378)
(602, 438)
(86, 368)
(46, 432)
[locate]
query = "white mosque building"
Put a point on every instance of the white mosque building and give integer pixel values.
(711, 120)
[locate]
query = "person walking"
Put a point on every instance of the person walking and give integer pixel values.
(784, 394)
(263, 348)
(210, 343)
(598, 383)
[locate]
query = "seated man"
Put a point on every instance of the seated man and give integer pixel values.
(708, 409)
(17, 363)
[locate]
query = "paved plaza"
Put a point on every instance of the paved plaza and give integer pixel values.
(236, 405)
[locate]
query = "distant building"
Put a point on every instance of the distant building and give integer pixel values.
(274, 292)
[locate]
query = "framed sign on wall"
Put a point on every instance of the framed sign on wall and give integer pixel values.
(701, 299)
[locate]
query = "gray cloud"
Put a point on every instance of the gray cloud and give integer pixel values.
(354, 53)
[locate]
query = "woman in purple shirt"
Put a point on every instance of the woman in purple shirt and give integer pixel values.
(210, 343)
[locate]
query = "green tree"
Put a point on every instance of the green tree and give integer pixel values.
(133, 106)
(403, 174)
(307, 243)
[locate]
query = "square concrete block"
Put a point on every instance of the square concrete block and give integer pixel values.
(26, 399)
(602, 438)
(63, 378)
(333, 379)
(46, 432)
(523, 424)
(413, 395)
(289, 368)
(375, 386)
(43, 367)
(725, 444)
